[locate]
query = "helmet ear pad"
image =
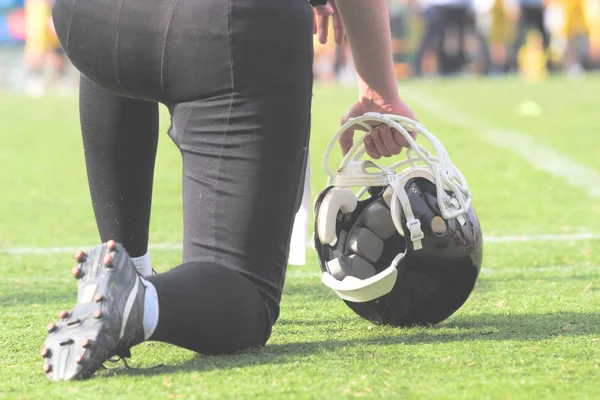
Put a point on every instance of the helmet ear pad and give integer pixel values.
(366, 240)
(335, 200)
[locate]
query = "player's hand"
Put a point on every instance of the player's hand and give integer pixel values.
(321, 22)
(382, 141)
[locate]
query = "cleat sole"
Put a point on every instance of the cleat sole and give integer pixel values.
(91, 332)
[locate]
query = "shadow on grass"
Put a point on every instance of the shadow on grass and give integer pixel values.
(28, 290)
(482, 327)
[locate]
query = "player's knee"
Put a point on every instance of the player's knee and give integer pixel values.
(211, 309)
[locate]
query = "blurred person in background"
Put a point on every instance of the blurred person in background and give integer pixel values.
(496, 18)
(531, 15)
(532, 58)
(575, 31)
(592, 15)
(333, 60)
(325, 58)
(42, 48)
(344, 65)
(401, 12)
(445, 20)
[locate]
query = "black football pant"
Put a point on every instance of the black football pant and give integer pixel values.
(236, 77)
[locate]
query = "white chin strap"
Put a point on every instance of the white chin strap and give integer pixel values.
(354, 172)
(400, 198)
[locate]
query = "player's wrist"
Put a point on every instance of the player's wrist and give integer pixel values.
(372, 99)
(386, 94)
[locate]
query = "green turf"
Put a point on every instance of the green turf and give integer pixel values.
(531, 329)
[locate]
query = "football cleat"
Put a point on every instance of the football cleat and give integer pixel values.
(106, 321)
(404, 247)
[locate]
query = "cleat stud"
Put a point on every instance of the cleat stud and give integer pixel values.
(47, 368)
(98, 298)
(76, 271)
(45, 352)
(63, 314)
(96, 314)
(51, 327)
(107, 259)
(111, 244)
(85, 343)
(79, 359)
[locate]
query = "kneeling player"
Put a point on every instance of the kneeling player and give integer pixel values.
(237, 79)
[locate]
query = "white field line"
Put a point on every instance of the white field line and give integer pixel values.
(73, 249)
(178, 246)
(539, 155)
(303, 272)
(312, 271)
(541, 238)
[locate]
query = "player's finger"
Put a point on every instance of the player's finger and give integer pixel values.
(371, 149)
(314, 21)
(338, 25)
(323, 28)
(387, 137)
(378, 142)
(400, 139)
(338, 29)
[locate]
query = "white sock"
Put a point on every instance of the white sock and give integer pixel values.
(150, 309)
(142, 264)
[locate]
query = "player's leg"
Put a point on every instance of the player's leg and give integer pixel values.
(57, 58)
(435, 25)
(243, 150)
(120, 137)
(525, 14)
(243, 142)
(461, 19)
(58, 64)
(120, 132)
(539, 19)
(576, 33)
(36, 46)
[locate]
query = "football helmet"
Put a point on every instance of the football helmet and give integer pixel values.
(405, 246)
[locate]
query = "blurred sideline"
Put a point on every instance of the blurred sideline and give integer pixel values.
(430, 38)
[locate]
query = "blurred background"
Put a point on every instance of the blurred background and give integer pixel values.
(533, 38)
(482, 37)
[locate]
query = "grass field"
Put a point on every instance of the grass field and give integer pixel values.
(531, 328)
